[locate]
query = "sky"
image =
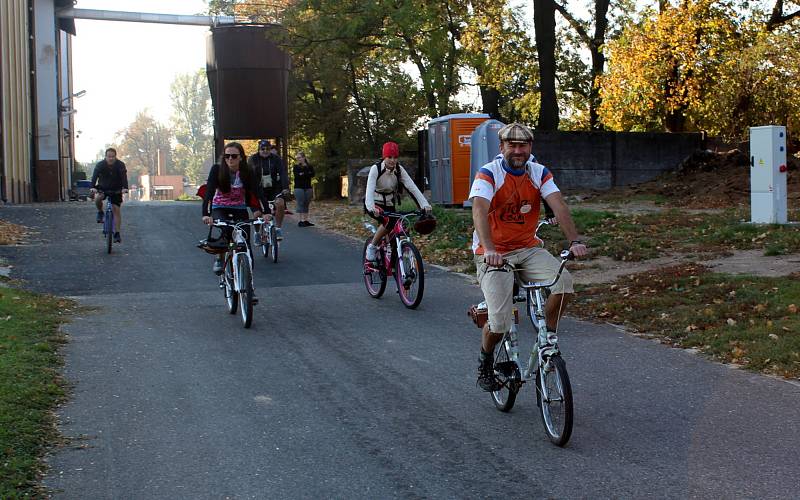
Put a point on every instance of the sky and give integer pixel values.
(127, 67)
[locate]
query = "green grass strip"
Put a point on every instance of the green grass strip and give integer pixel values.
(30, 386)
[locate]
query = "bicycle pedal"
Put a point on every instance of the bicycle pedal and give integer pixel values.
(254, 301)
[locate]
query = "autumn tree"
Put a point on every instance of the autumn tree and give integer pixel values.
(191, 124)
(503, 58)
(143, 143)
(703, 65)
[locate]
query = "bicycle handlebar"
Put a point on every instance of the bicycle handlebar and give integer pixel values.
(226, 223)
(565, 255)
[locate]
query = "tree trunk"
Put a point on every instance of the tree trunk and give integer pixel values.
(490, 97)
(598, 60)
(544, 23)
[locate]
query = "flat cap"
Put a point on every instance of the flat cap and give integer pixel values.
(515, 132)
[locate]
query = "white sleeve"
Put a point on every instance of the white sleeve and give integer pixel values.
(483, 184)
(369, 196)
(412, 188)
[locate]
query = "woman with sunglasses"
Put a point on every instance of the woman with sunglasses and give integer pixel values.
(231, 188)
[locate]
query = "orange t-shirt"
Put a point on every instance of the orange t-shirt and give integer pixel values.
(514, 202)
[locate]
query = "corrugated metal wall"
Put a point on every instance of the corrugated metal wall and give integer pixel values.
(16, 103)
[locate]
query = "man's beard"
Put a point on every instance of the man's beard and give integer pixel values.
(516, 162)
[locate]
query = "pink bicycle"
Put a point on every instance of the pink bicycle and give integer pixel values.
(399, 259)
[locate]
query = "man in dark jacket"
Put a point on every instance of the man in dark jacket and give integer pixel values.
(270, 169)
(110, 175)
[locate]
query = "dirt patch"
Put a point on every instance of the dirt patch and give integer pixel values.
(745, 262)
(707, 180)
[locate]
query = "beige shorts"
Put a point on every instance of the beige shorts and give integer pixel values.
(534, 264)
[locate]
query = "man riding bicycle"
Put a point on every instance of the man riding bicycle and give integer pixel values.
(110, 175)
(506, 195)
(383, 193)
(273, 180)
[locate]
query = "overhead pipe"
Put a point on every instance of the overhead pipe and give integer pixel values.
(144, 17)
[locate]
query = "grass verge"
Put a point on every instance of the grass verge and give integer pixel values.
(751, 321)
(30, 386)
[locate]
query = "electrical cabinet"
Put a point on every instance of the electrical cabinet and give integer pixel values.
(768, 175)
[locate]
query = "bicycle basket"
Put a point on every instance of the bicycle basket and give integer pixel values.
(425, 224)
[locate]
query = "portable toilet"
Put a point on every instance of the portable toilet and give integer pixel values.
(449, 139)
(485, 145)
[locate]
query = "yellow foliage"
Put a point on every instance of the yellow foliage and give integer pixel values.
(698, 59)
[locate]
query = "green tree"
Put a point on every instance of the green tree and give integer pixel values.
(192, 124)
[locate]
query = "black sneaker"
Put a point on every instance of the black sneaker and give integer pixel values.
(99, 217)
(486, 379)
(117, 238)
(302, 223)
(309, 223)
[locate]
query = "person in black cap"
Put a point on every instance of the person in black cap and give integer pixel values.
(269, 168)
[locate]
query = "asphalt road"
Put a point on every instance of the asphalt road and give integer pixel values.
(333, 394)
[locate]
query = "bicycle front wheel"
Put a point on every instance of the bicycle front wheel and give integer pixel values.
(273, 240)
(374, 279)
(554, 396)
(508, 378)
(245, 294)
(410, 275)
(264, 243)
(108, 228)
(231, 297)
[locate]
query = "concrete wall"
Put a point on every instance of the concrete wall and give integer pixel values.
(602, 160)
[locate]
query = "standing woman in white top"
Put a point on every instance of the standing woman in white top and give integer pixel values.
(383, 184)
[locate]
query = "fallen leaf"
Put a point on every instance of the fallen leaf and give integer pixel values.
(731, 322)
(773, 336)
(691, 328)
(792, 308)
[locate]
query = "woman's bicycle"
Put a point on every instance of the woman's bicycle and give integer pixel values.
(545, 364)
(400, 259)
(236, 279)
(109, 224)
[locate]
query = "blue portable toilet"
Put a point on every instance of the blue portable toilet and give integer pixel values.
(485, 146)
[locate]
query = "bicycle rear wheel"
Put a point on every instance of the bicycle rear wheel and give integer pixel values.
(245, 294)
(411, 281)
(374, 279)
(554, 397)
(273, 240)
(508, 376)
(231, 296)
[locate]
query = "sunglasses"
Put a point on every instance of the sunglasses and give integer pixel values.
(231, 156)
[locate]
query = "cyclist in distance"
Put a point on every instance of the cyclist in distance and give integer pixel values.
(110, 175)
(383, 192)
(506, 197)
(230, 190)
(272, 178)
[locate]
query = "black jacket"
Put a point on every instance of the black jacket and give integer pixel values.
(302, 176)
(272, 164)
(110, 177)
(250, 193)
